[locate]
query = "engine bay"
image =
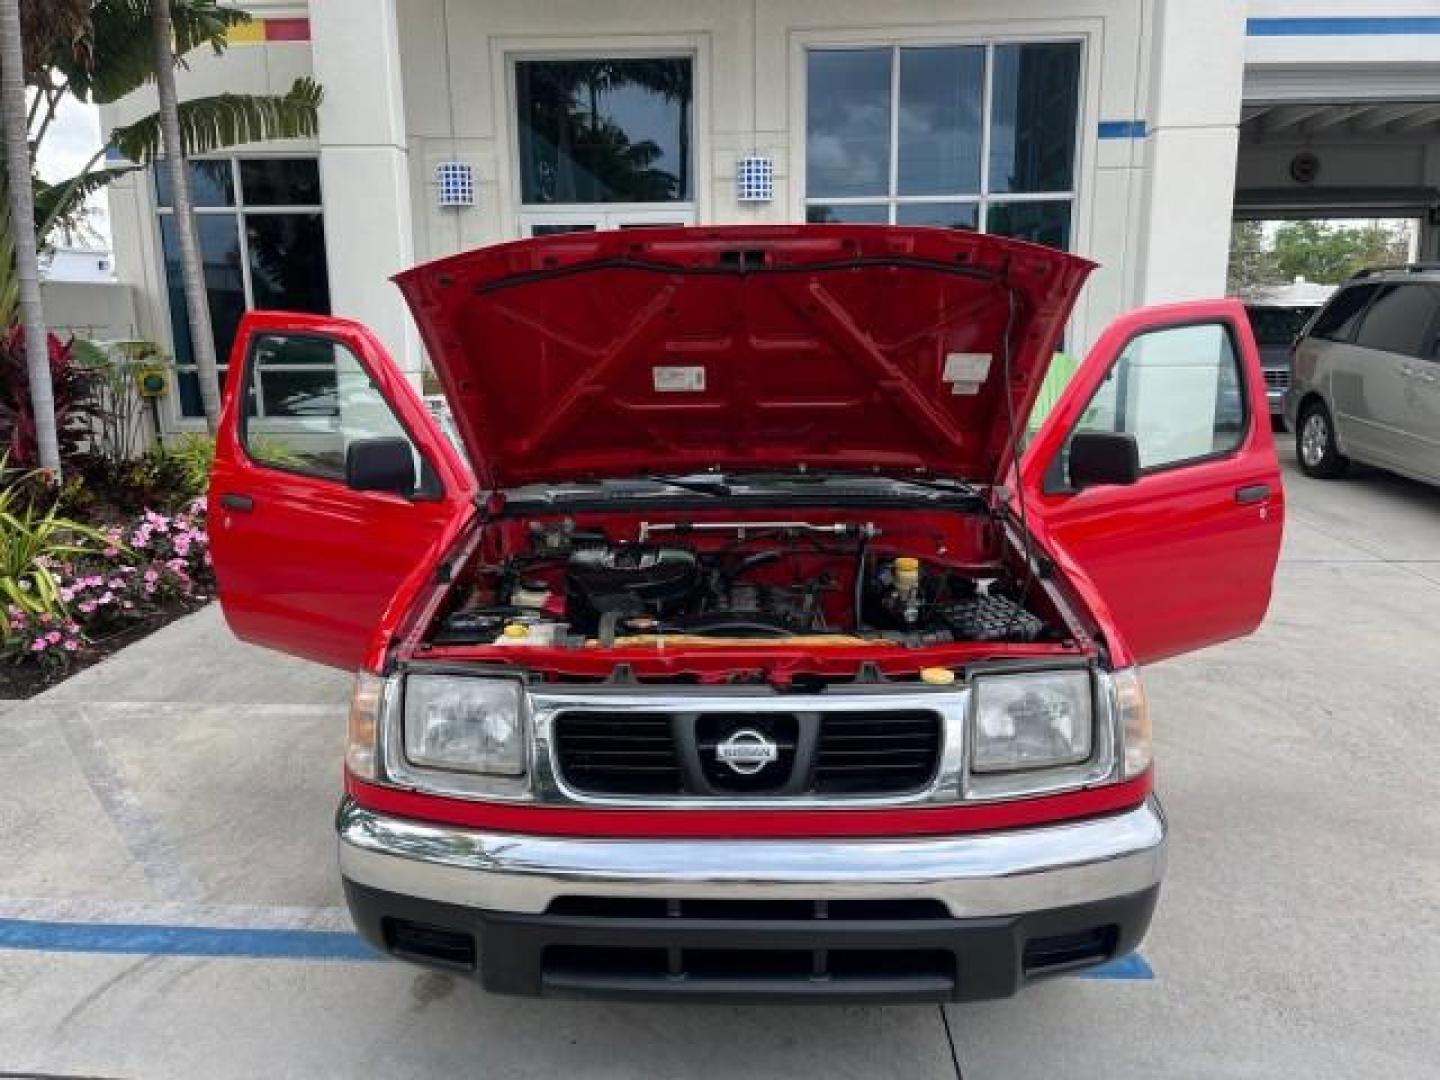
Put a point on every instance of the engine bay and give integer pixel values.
(568, 584)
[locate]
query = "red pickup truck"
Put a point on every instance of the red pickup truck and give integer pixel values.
(734, 648)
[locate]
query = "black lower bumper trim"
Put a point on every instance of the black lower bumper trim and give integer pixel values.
(708, 957)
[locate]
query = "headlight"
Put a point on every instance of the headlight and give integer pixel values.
(464, 724)
(1031, 721)
(1133, 713)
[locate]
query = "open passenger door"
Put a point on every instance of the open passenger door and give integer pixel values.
(332, 485)
(1183, 554)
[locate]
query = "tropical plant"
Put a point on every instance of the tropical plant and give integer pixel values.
(70, 384)
(33, 544)
(194, 456)
(115, 409)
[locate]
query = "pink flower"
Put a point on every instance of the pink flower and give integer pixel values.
(53, 637)
(149, 590)
(88, 606)
(151, 575)
(116, 583)
(72, 645)
(39, 645)
(111, 552)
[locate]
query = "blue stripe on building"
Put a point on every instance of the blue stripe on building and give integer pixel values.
(1343, 26)
(1122, 129)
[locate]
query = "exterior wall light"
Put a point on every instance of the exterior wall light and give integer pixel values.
(454, 184)
(755, 178)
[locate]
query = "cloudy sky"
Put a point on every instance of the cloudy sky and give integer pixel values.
(69, 144)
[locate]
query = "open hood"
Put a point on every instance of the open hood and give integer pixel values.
(829, 347)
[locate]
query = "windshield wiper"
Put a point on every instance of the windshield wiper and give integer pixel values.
(717, 489)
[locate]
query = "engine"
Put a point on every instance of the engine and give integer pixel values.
(755, 584)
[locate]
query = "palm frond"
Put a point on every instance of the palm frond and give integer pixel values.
(124, 51)
(61, 203)
(224, 120)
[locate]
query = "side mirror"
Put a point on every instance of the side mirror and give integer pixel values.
(1100, 457)
(381, 465)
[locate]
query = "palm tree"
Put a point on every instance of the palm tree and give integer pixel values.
(22, 210)
(98, 51)
(192, 269)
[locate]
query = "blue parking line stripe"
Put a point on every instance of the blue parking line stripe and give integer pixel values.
(1131, 966)
(1343, 26)
(144, 939)
(150, 940)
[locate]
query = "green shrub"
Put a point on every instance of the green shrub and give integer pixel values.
(32, 544)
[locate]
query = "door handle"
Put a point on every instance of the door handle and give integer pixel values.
(1252, 494)
(234, 501)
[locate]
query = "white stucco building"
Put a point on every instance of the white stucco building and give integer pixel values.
(1116, 128)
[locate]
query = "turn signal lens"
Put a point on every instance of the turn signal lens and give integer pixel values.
(362, 734)
(1132, 711)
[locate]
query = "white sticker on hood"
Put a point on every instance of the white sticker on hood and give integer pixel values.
(966, 367)
(678, 380)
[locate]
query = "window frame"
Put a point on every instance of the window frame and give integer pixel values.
(982, 199)
(238, 210)
(507, 52)
(242, 427)
(1057, 480)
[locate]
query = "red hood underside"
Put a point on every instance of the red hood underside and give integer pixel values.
(743, 348)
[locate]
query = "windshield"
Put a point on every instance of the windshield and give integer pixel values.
(1278, 325)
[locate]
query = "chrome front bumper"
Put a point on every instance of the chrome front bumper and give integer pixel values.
(1011, 872)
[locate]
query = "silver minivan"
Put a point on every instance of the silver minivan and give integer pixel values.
(1366, 380)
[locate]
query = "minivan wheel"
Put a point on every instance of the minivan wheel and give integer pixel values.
(1315, 444)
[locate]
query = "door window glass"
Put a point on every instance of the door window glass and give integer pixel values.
(605, 130)
(1398, 320)
(308, 399)
(1177, 390)
(1337, 322)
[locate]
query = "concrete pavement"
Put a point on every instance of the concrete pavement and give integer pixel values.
(190, 782)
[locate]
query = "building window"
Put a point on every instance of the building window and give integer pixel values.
(262, 242)
(605, 130)
(962, 136)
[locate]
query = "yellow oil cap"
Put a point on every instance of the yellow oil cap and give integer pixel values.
(516, 630)
(937, 676)
(907, 564)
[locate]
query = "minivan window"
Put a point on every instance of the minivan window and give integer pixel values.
(1399, 319)
(1337, 321)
